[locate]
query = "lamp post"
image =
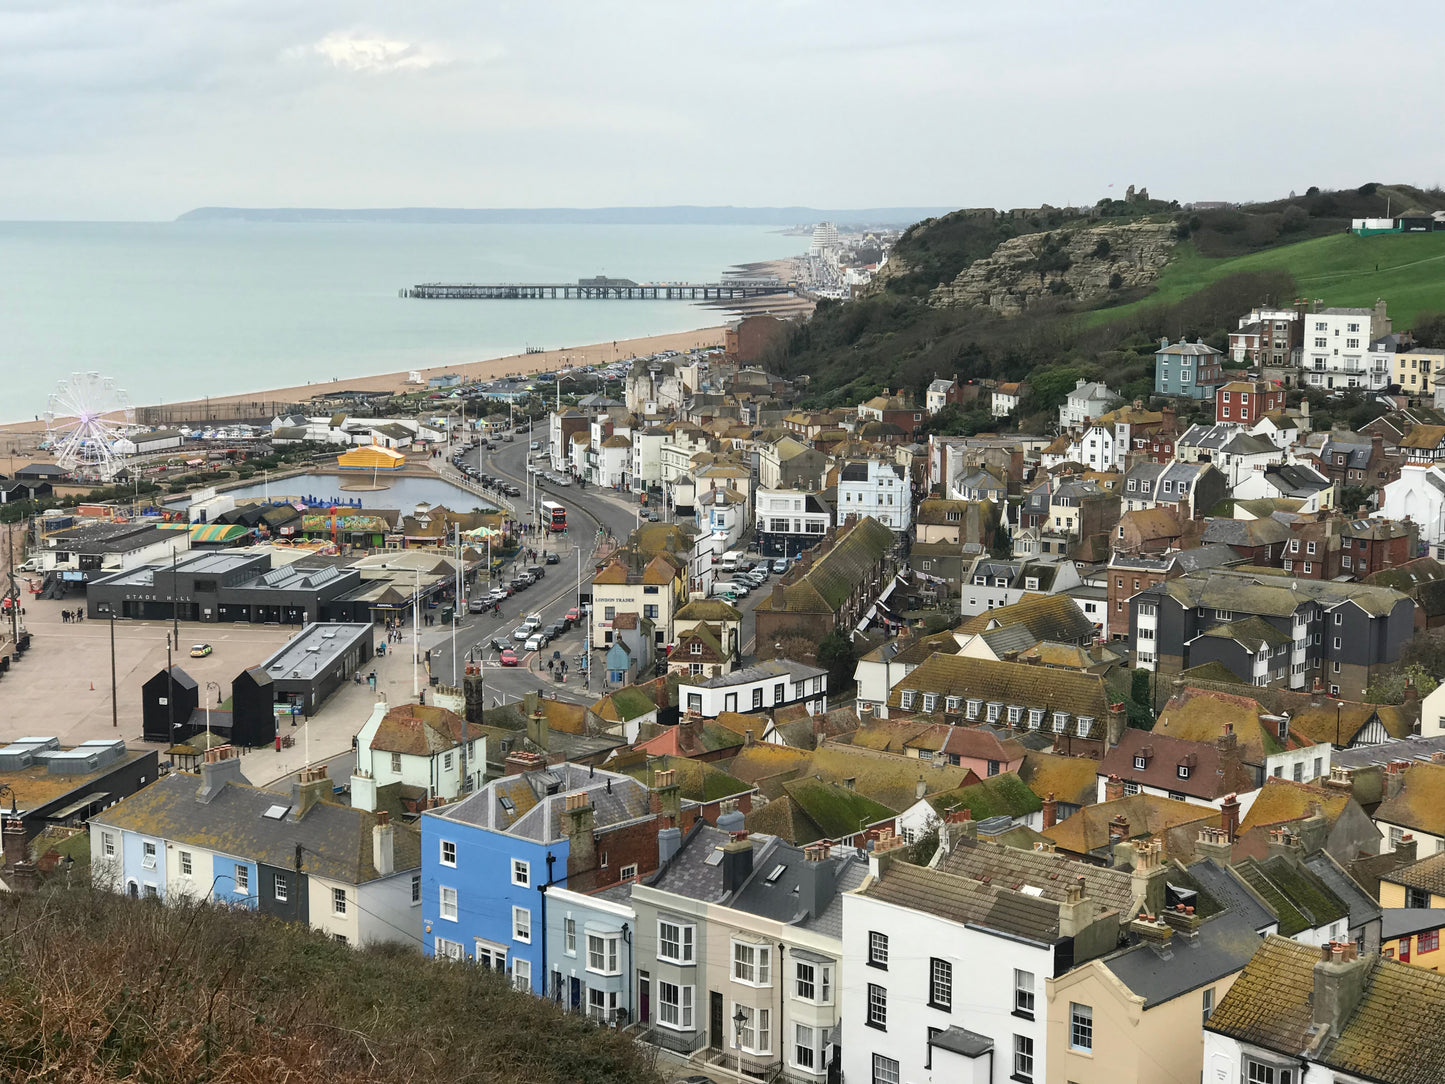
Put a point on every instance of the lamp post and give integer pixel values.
(415, 633)
(740, 1019)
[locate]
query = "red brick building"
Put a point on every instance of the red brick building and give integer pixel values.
(1246, 401)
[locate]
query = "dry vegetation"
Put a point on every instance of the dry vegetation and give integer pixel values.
(95, 988)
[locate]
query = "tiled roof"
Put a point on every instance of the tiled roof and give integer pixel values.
(1046, 617)
(1421, 802)
(1152, 523)
(889, 780)
(1051, 873)
(837, 810)
(1147, 814)
(963, 900)
(832, 578)
(1010, 683)
(419, 730)
(1068, 779)
(1210, 775)
(1252, 632)
(1200, 715)
(1278, 595)
(709, 609)
(1428, 873)
(1391, 1035)
(784, 818)
(1000, 795)
(1281, 801)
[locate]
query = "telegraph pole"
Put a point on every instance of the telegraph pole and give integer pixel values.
(114, 710)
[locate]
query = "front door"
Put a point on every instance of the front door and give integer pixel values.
(644, 999)
(574, 998)
(715, 1021)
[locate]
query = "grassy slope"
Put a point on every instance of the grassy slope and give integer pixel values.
(1339, 270)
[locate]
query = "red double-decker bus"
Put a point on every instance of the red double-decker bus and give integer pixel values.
(554, 516)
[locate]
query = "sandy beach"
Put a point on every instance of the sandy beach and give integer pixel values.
(512, 364)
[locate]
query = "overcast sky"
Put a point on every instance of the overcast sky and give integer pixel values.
(115, 109)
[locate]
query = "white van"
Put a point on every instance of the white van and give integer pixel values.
(729, 561)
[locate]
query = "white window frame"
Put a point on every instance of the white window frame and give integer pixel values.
(521, 974)
(752, 964)
(447, 903)
(186, 864)
(682, 1007)
(686, 942)
(443, 949)
(1081, 1027)
(1024, 993)
(447, 853)
(1023, 1058)
(885, 1070)
(569, 936)
(521, 873)
(149, 854)
(522, 925)
(819, 981)
(604, 953)
(243, 878)
(280, 888)
(338, 901)
(757, 1024)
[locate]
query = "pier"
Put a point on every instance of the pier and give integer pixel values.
(599, 289)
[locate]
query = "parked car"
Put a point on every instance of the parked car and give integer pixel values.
(522, 633)
(780, 565)
(573, 615)
(537, 570)
(509, 658)
(742, 587)
(556, 629)
(481, 605)
(534, 643)
(724, 590)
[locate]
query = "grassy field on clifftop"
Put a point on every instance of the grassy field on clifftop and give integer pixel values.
(95, 988)
(1408, 270)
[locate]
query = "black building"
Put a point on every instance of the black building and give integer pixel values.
(66, 786)
(313, 665)
(253, 708)
(168, 700)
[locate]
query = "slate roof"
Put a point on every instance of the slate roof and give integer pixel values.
(1403, 921)
(336, 839)
(1392, 1034)
(825, 585)
(536, 801)
(1253, 632)
(1224, 945)
(1362, 908)
(965, 901)
(1051, 874)
(1224, 892)
(1275, 595)
(1300, 899)
(1246, 532)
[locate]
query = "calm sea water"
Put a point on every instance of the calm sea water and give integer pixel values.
(188, 309)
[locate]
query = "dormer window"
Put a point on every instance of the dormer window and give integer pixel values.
(951, 703)
(930, 702)
(1283, 729)
(1083, 726)
(993, 712)
(1015, 715)
(906, 698)
(1140, 763)
(1061, 720)
(973, 706)
(1183, 771)
(1036, 718)
(694, 648)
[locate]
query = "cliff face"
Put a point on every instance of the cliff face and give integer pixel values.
(1082, 265)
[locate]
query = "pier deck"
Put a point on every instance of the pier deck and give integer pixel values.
(598, 290)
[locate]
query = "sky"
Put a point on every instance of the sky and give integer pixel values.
(143, 109)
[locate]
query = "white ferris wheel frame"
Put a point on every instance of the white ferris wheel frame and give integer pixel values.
(86, 414)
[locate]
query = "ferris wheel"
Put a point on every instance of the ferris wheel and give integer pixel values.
(84, 418)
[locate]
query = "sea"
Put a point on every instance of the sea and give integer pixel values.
(181, 310)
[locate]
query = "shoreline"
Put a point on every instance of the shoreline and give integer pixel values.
(485, 368)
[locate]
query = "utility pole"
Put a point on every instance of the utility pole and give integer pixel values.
(114, 710)
(175, 599)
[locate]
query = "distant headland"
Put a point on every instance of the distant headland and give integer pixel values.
(591, 216)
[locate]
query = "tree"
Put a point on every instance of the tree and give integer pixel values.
(1389, 688)
(1429, 330)
(835, 654)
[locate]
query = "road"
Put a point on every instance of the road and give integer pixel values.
(588, 510)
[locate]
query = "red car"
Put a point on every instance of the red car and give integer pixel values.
(574, 615)
(509, 658)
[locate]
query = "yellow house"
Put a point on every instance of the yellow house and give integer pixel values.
(371, 457)
(1413, 370)
(1138, 1014)
(1413, 899)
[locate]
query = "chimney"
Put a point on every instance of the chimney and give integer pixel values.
(1118, 720)
(865, 715)
(737, 861)
(747, 737)
(920, 788)
(730, 818)
(220, 767)
(1340, 779)
(578, 817)
(1227, 742)
(1124, 854)
(383, 838)
(1312, 830)
(1214, 843)
(1118, 828)
(16, 846)
(1151, 931)
(1051, 812)
(816, 884)
(537, 728)
(1229, 818)
(1338, 986)
(1113, 789)
(777, 602)
(307, 792)
(1406, 850)
(668, 794)
(1149, 875)
(1395, 778)
(669, 842)
(520, 760)
(1183, 921)
(1077, 911)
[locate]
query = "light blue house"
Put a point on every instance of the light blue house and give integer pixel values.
(489, 860)
(1191, 370)
(591, 943)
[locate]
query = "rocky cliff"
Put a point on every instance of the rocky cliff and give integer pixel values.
(1082, 264)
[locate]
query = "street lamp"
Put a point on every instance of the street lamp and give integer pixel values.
(740, 1019)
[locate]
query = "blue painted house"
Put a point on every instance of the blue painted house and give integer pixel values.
(591, 943)
(489, 860)
(1190, 370)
